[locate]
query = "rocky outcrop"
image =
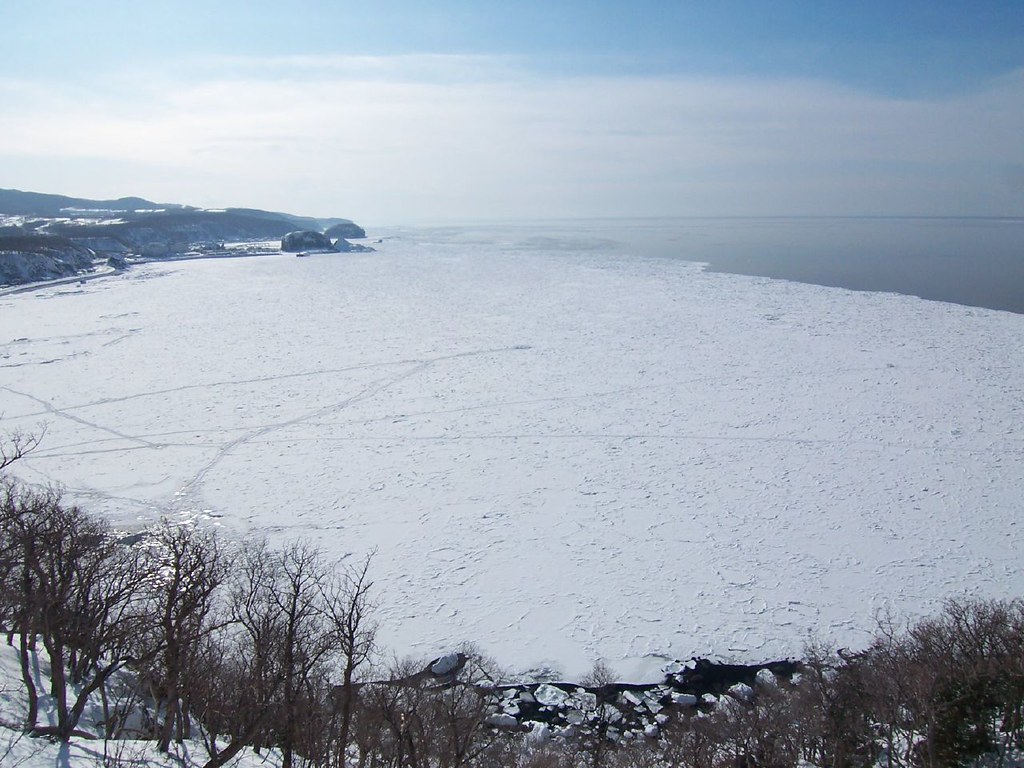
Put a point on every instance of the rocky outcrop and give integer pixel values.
(344, 246)
(305, 240)
(345, 229)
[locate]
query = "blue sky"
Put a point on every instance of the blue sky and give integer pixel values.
(402, 111)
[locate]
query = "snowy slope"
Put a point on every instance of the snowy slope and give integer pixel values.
(20, 751)
(559, 452)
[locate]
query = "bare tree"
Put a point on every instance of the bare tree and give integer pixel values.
(78, 591)
(692, 742)
(16, 445)
(390, 727)
(595, 740)
(349, 613)
(966, 665)
(458, 715)
(187, 569)
(289, 620)
(234, 699)
(236, 696)
(19, 510)
(306, 641)
(419, 716)
(834, 718)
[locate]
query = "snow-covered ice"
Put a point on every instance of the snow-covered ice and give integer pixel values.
(559, 453)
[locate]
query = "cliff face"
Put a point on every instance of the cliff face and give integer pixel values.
(31, 258)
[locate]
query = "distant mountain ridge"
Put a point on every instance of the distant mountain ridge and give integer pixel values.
(15, 202)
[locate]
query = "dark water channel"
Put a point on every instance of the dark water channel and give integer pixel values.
(974, 262)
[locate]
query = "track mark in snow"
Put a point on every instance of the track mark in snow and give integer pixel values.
(74, 449)
(268, 379)
(131, 332)
(374, 388)
(49, 361)
(123, 449)
(50, 408)
(66, 339)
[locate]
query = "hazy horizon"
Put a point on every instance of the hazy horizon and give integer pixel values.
(488, 111)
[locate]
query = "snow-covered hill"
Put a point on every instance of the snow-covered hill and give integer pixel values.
(45, 237)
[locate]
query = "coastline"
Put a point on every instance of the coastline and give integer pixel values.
(107, 271)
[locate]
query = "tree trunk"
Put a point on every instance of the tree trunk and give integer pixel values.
(171, 710)
(237, 744)
(346, 713)
(59, 686)
(28, 679)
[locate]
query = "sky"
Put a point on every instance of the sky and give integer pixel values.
(395, 112)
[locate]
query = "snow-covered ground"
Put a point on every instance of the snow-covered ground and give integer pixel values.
(557, 450)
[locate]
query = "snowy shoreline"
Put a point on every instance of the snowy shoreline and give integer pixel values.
(109, 271)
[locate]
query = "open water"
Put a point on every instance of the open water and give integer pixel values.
(974, 262)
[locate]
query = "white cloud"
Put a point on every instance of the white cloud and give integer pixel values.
(417, 138)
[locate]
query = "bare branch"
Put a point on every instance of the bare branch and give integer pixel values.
(18, 444)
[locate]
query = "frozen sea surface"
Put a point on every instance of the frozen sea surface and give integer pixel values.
(557, 451)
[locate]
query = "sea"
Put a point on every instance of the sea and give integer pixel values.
(566, 441)
(971, 261)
